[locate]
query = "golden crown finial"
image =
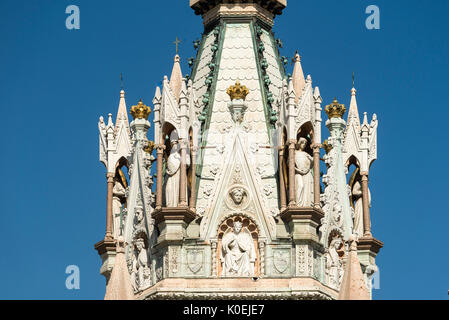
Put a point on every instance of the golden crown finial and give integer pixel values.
(335, 110)
(237, 91)
(140, 111)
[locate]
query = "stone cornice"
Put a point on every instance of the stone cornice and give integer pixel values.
(235, 11)
(370, 244)
(274, 7)
(305, 288)
(292, 213)
(172, 214)
(105, 245)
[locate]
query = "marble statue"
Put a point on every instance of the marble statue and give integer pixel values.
(173, 175)
(132, 268)
(358, 208)
(334, 264)
(138, 217)
(303, 175)
(118, 193)
(237, 195)
(141, 265)
(238, 253)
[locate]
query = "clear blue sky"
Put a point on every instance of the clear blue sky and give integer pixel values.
(55, 83)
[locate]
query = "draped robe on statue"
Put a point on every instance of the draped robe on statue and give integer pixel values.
(303, 179)
(358, 208)
(238, 254)
(117, 194)
(173, 177)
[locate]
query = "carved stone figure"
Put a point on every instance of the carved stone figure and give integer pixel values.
(141, 265)
(138, 217)
(173, 171)
(238, 253)
(358, 208)
(303, 175)
(334, 264)
(237, 195)
(132, 268)
(118, 194)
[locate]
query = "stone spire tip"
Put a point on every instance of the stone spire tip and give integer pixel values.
(353, 286)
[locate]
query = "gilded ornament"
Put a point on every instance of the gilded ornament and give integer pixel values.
(335, 110)
(140, 111)
(327, 147)
(237, 91)
(149, 147)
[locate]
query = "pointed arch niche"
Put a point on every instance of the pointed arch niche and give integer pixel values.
(249, 226)
(306, 131)
(121, 177)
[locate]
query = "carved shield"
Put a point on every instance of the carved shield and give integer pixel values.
(195, 260)
(281, 260)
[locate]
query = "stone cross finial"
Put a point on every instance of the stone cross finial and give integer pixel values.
(177, 42)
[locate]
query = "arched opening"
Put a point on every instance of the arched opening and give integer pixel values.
(119, 201)
(169, 133)
(353, 176)
(306, 131)
(190, 177)
(283, 166)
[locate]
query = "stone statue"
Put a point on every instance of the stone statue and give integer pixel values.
(141, 265)
(237, 195)
(132, 268)
(334, 264)
(238, 254)
(303, 175)
(118, 194)
(138, 218)
(358, 208)
(173, 175)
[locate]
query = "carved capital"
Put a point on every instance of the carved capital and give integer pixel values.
(292, 143)
(316, 147)
(160, 148)
(110, 176)
(364, 175)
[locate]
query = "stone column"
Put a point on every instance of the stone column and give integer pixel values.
(365, 199)
(291, 173)
(316, 176)
(183, 178)
(192, 201)
(160, 153)
(283, 195)
(110, 179)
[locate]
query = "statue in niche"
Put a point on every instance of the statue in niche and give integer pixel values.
(238, 254)
(173, 175)
(303, 175)
(118, 196)
(334, 264)
(358, 208)
(140, 266)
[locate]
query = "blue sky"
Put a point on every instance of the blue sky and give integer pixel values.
(55, 83)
